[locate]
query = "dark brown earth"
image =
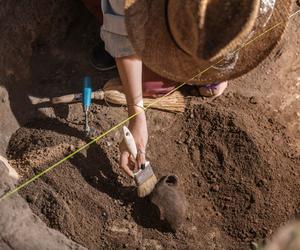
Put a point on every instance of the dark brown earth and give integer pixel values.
(236, 156)
(236, 167)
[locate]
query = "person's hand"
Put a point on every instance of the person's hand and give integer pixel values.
(138, 128)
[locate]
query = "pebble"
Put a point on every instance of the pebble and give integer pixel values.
(29, 199)
(254, 246)
(253, 231)
(215, 188)
(195, 175)
(253, 100)
(95, 179)
(71, 148)
(205, 195)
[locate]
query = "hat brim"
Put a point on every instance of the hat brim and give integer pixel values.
(148, 32)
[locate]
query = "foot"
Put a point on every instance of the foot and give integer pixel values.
(101, 59)
(213, 90)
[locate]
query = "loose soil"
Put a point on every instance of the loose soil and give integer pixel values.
(236, 166)
(235, 160)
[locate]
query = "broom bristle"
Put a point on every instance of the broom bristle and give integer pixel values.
(113, 92)
(147, 187)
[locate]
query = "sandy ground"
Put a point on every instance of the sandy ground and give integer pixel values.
(235, 156)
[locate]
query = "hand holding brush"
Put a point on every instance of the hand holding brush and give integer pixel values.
(143, 176)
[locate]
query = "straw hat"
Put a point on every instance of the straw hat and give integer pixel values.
(178, 39)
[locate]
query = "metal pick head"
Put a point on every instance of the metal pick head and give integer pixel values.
(87, 130)
(91, 132)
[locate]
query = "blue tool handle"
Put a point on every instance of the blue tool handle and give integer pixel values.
(87, 92)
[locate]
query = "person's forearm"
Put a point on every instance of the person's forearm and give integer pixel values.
(130, 70)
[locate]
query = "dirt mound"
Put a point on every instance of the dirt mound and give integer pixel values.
(235, 164)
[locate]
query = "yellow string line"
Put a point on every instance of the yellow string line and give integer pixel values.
(9, 193)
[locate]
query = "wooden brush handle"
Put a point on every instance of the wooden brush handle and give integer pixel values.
(129, 141)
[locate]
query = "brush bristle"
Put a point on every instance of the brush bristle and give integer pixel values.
(114, 94)
(147, 187)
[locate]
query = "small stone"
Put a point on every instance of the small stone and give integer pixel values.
(227, 198)
(178, 142)
(213, 180)
(253, 100)
(252, 231)
(95, 179)
(39, 142)
(254, 246)
(29, 199)
(215, 188)
(195, 175)
(71, 148)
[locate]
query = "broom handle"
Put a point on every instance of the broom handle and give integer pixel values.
(97, 95)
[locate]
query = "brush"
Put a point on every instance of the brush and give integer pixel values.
(144, 178)
(113, 93)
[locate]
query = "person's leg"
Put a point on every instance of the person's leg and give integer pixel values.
(155, 86)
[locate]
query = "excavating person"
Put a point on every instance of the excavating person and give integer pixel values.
(159, 43)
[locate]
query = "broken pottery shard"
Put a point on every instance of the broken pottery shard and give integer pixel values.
(170, 201)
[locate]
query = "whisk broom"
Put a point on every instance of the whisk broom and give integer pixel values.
(112, 92)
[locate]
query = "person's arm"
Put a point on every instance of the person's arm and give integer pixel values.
(130, 70)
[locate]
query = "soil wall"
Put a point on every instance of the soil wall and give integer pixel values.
(26, 26)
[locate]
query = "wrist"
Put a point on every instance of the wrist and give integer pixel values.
(133, 109)
(135, 106)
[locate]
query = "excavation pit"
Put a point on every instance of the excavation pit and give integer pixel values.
(232, 171)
